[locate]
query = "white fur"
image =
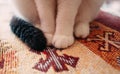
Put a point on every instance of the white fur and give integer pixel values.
(59, 19)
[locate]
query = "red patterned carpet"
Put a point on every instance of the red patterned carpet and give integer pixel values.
(99, 53)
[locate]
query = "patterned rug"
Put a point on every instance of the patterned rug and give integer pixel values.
(99, 53)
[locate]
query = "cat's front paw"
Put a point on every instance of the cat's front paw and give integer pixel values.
(49, 38)
(62, 41)
(82, 30)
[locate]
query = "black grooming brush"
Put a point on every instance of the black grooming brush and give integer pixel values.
(29, 34)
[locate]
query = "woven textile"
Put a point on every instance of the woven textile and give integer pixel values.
(99, 53)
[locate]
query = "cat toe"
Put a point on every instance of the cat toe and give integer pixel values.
(62, 41)
(49, 38)
(82, 30)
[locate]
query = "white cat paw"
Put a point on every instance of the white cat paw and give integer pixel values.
(82, 30)
(62, 41)
(49, 38)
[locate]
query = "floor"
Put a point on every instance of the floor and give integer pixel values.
(112, 6)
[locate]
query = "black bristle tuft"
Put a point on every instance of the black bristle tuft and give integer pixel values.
(29, 34)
